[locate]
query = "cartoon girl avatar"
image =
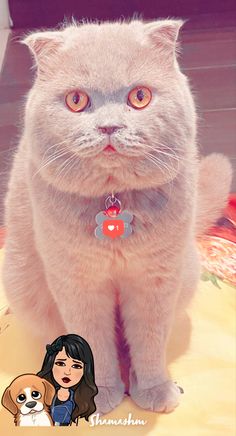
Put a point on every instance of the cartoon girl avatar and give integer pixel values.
(68, 365)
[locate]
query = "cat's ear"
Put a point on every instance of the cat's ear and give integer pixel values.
(163, 34)
(44, 46)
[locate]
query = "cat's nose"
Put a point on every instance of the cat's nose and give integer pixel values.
(109, 129)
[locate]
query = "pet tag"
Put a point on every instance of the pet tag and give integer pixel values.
(111, 222)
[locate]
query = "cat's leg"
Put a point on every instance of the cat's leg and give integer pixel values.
(87, 306)
(22, 271)
(26, 288)
(148, 308)
(190, 279)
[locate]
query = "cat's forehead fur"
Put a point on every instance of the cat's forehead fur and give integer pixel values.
(105, 56)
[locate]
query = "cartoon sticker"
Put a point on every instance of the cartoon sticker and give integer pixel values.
(63, 390)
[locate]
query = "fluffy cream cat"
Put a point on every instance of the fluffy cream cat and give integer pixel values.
(96, 84)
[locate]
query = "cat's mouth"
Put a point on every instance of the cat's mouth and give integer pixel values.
(109, 149)
(112, 153)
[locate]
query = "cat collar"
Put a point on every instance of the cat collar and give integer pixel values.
(112, 223)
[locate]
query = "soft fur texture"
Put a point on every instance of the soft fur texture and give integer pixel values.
(58, 277)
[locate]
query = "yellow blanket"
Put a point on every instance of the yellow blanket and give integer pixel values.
(201, 356)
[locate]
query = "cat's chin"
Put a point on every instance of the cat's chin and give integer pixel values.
(108, 160)
(107, 186)
(112, 182)
(97, 177)
(113, 159)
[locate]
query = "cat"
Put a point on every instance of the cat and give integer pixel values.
(117, 83)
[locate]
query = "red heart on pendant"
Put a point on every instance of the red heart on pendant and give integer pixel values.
(113, 228)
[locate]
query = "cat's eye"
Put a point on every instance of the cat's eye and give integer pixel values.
(139, 97)
(77, 101)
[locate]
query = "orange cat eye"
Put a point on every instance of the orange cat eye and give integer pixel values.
(77, 100)
(139, 97)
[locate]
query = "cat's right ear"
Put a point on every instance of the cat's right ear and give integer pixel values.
(44, 46)
(163, 35)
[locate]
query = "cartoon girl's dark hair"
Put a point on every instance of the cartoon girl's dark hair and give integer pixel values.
(85, 391)
(55, 346)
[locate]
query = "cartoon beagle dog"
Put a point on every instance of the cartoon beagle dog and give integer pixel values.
(28, 398)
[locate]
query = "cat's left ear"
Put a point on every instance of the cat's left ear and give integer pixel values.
(163, 34)
(44, 46)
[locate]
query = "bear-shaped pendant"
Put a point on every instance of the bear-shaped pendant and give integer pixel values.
(112, 223)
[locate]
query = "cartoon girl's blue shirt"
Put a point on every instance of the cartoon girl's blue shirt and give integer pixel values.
(61, 413)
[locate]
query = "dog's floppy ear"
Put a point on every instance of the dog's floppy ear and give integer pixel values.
(49, 392)
(8, 402)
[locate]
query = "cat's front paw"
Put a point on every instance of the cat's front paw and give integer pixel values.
(108, 398)
(160, 398)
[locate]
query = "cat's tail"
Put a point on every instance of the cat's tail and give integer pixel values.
(214, 182)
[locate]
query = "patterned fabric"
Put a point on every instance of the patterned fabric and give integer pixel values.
(218, 256)
(218, 247)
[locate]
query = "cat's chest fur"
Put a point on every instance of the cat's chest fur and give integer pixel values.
(65, 225)
(75, 215)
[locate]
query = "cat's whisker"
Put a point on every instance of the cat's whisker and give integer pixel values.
(92, 146)
(66, 142)
(155, 156)
(57, 176)
(172, 151)
(50, 161)
(69, 167)
(170, 184)
(159, 163)
(69, 163)
(64, 164)
(178, 159)
(188, 159)
(52, 146)
(169, 155)
(173, 147)
(176, 170)
(55, 154)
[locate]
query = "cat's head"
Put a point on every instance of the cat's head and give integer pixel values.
(116, 83)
